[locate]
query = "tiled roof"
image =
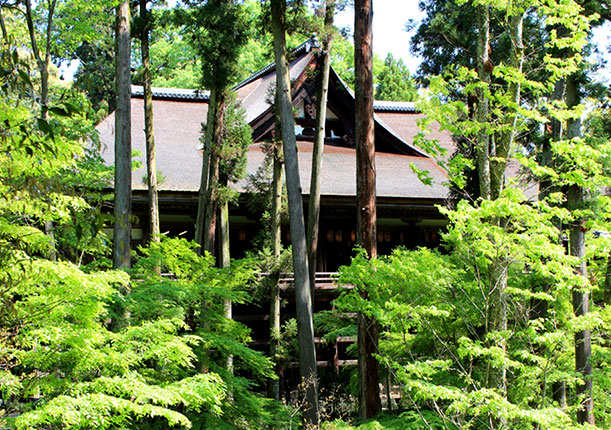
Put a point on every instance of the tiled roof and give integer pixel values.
(386, 106)
(173, 93)
(394, 176)
(177, 132)
(178, 115)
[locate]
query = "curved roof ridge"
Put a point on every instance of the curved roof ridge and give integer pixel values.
(393, 106)
(173, 93)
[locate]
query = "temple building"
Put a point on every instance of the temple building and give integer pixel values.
(406, 207)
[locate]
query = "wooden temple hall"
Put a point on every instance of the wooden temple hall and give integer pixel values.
(406, 208)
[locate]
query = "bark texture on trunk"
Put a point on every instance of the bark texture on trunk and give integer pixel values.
(216, 144)
(123, 156)
(3, 28)
(576, 199)
(322, 90)
(546, 187)
(274, 311)
(305, 326)
(368, 366)
(225, 261)
(202, 202)
(484, 69)
(151, 163)
(497, 309)
(43, 60)
(506, 139)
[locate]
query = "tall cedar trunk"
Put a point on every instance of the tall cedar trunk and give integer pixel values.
(322, 90)
(202, 202)
(43, 62)
(368, 366)
(305, 326)
(274, 311)
(151, 164)
(581, 299)
(213, 176)
(123, 160)
(484, 68)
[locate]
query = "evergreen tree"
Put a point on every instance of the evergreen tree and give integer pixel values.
(394, 82)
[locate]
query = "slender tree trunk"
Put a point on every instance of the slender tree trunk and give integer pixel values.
(123, 168)
(497, 321)
(506, 140)
(368, 366)
(274, 311)
(305, 326)
(151, 164)
(546, 188)
(42, 61)
(213, 177)
(581, 299)
(3, 27)
(225, 260)
(484, 69)
(497, 309)
(202, 202)
(322, 90)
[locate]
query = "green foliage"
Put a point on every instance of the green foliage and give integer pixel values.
(409, 420)
(342, 61)
(85, 347)
(237, 136)
(435, 309)
(394, 82)
(218, 31)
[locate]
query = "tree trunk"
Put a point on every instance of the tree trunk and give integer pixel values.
(497, 321)
(545, 189)
(3, 28)
(305, 326)
(216, 143)
(506, 140)
(497, 309)
(225, 260)
(581, 299)
(43, 62)
(322, 90)
(151, 164)
(484, 69)
(368, 366)
(274, 311)
(123, 156)
(202, 202)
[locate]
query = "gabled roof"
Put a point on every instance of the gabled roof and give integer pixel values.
(178, 115)
(300, 51)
